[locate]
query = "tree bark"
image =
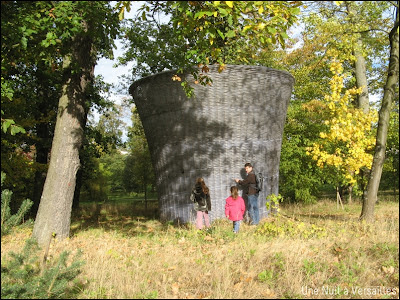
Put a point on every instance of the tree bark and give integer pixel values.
(359, 65)
(360, 72)
(54, 214)
(361, 78)
(371, 197)
(79, 176)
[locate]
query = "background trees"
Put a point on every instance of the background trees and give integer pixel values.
(390, 88)
(347, 139)
(138, 171)
(63, 36)
(183, 35)
(345, 29)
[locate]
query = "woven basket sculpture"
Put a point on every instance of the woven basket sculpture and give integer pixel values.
(238, 119)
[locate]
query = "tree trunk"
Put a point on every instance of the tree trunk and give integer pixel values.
(349, 198)
(359, 65)
(371, 197)
(360, 71)
(79, 175)
(338, 198)
(361, 78)
(364, 175)
(54, 214)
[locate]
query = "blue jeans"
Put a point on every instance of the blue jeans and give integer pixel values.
(253, 209)
(236, 226)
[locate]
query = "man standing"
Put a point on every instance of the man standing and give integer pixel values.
(252, 193)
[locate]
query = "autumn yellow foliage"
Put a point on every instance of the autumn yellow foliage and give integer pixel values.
(348, 141)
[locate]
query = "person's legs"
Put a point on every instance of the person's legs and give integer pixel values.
(256, 210)
(206, 219)
(199, 220)
(250, 204)
(236, 226)
(253, 209)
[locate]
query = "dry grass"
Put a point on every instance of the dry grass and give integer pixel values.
(128, 256)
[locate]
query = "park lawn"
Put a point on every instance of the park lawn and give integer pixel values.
(308, 251)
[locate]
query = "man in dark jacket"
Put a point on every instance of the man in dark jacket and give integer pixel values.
(252, 193)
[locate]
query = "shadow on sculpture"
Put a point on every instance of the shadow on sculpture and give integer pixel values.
(238, 119)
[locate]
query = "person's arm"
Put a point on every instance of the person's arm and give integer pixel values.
(250, 179)
(208, 201)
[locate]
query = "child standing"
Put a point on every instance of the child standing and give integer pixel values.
(234, 208)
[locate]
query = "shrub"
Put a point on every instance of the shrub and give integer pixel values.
(285, 227)
(22, 276)
(9, 221)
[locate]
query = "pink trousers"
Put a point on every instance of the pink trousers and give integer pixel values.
(199, 219)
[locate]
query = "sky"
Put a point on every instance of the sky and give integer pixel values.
(112, 75)
(105, 68)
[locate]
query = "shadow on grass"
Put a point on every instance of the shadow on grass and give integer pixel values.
(130, 218)
(329, 209)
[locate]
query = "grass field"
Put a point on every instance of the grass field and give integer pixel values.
(309, 251)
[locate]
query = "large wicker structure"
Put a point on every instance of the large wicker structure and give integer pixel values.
(238, 119)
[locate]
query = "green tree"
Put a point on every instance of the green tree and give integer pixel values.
(100, 139)
(391, 85)
(355, 33)
(22, 274)
(345, 144)
(199, 33)
(390, 172)
(82, 35)
(300, 179)
(329, 25)
(34, 86)
(8, 220)
(138, 173)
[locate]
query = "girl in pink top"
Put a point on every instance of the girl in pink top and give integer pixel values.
(234, 208)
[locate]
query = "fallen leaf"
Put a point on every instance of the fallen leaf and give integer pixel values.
(175, 288)
(388, 270)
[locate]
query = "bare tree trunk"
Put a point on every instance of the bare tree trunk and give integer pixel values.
(360, 71)
(54, 214)
(350, 198)
(361, 78)
(371, 197)
(359, 65)
(338, 199)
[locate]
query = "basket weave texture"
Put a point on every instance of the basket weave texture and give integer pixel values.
(238, 119)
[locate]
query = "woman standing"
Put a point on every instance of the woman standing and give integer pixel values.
(202, 202)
